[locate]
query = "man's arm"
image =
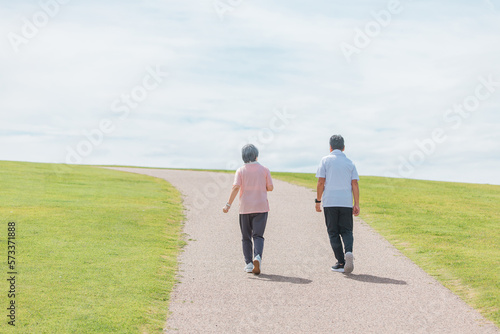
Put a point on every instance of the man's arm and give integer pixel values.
(234, 192)
(270, 187)
(355, 194)
(319, 192)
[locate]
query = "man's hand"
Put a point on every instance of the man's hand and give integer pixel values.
(225, 209)
(320, 188)
(355, 194)
(355, 210)
(318, 207)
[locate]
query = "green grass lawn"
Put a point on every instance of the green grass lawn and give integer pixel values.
(451, 230)
(96, 249)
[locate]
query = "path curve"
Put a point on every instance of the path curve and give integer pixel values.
(297, 292)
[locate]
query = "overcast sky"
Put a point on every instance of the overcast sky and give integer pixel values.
(413, 86)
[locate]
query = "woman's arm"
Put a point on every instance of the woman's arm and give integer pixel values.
(269, 181)
(234, 192)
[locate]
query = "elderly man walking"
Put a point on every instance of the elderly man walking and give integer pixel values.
(337, 188)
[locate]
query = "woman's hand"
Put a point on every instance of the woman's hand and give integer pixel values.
(234, 192)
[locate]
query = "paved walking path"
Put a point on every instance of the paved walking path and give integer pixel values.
(297, 292)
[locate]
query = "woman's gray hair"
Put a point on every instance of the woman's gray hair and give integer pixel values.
(249, 153)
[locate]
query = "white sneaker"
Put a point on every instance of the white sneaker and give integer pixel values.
(256, 265)
(249, 267)
(349, 263)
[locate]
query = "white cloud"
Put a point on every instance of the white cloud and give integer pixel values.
(228, 77)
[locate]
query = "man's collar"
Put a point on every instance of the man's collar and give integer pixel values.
(335, 152)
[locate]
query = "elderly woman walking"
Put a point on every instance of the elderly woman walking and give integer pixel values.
(252, 181)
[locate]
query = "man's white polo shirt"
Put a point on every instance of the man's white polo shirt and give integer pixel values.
(338, 171)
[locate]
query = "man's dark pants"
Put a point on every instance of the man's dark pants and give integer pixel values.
(339, 223)
(252, 225)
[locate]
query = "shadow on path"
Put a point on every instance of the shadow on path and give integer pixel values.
(374, 279)
(279, 278)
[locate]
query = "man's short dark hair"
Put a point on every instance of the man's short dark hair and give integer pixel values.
(337, 142)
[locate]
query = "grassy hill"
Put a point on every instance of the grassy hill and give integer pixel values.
(451, 230)
(96, 250)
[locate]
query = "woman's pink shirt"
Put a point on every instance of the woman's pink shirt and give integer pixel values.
(253, 179)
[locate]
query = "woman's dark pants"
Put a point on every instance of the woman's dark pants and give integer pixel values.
(252, 225)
